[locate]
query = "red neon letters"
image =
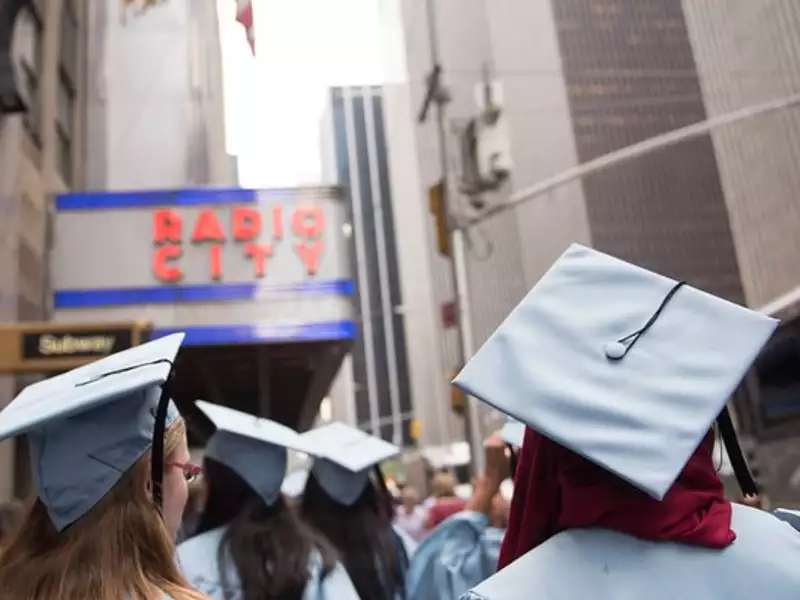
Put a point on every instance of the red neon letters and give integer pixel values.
(161, 259)
(167, 226)
(259, 253)
(208, 228)
(256, 235)
(246, 223)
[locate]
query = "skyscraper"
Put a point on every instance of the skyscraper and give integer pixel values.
(581, 78)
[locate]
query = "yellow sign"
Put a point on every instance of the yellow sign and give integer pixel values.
(415, 429)
(437, 204)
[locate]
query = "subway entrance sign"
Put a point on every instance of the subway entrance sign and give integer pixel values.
(51, 347)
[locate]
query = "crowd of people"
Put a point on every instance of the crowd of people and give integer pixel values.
(617, 375)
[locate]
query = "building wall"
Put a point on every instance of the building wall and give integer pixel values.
(156, 97)
(9, 214)
(630, 76)
(381, 388)
(515, 44)
(527, 60)
(747, 53)
(420, 307)
(579, 79)
(32, 168)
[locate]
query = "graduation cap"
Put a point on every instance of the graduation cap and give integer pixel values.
(253, 447)
(621, 365)
(344, 456)
(87, 427)
(792, 517)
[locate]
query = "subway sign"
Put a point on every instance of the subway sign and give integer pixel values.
(51, 347)
(92, 344)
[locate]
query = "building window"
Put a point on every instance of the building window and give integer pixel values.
(67, 76)
(69, 40)
(28, 57)
(65, 122)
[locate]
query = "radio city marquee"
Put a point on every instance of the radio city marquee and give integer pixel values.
(234, 264)
(173, 236)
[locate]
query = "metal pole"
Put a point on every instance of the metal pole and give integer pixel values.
(467, 346)
(634, 151)
(458, 262)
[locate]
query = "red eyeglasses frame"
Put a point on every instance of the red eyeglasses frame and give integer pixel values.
(190, 471)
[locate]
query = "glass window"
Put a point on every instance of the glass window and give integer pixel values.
(65, 124)
(66, 104)
(64, 155)
(69, 40)
(27, 51)
(68, 76)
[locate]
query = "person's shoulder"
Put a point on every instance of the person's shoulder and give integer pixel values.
(462, 525)
(756, 529)
(198, 560)
(336, 583)
(202, 544)
(609, 564)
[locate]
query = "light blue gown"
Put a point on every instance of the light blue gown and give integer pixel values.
(459, 553)
(197, 558)
(763, 562)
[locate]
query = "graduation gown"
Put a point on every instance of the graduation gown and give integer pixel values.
(410, 545)
(458, 554)
(763, 562)
(198, 559)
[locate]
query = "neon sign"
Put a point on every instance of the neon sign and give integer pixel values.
(260, 236)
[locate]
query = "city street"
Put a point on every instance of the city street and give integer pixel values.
(399, 299)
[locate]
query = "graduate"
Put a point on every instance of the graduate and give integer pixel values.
(346, 500)
(464, 549)
(620, 375)
(249, 544)
(110, 465)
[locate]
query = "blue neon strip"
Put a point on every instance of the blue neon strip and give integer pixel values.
(212, 335)
(150, 198)
(216, 292)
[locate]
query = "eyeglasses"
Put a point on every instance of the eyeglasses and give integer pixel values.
(190, 471)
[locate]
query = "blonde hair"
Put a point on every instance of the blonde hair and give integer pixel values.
(443, 485)
(121, 549)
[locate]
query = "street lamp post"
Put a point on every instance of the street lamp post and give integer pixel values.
(438, 96)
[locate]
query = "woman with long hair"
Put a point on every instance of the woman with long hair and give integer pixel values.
(249, 544)
(109, 500)
(345, 500)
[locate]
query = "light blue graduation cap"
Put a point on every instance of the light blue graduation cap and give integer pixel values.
(792, 517)
(621, 365)
(88, 426)
(253, 447)
(344, 456)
